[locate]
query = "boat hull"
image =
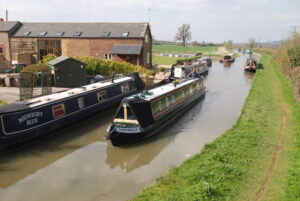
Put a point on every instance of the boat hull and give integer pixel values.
(118, 138)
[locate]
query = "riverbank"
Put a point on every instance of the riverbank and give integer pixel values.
(257, 159)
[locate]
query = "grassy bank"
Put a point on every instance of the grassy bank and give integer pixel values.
(163, 60)
(257, 159)
(180, 49)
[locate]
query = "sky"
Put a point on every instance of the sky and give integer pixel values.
(210, 20)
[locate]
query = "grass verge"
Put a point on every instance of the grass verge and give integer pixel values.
(180, 49)
(235, 166)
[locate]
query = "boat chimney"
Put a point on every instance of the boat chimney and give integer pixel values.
(113, 77)
(1, 20)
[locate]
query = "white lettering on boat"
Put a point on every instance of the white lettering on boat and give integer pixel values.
(32, 121)
(30, 116)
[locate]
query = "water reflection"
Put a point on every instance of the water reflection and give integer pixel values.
(17, 165)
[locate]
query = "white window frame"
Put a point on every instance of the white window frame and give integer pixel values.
(148, 57)
(146, 38)
(108, 56)
(100, 95)
(125, 88)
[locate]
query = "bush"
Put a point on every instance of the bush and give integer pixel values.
(34, 68)
(181, 61)
(47, 58)
(294, 54)
(103, 67)
(161, 69)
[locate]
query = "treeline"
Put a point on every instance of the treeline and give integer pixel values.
(193, 43)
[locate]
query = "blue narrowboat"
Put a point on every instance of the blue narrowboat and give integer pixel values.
(23, 121)
(143, 115)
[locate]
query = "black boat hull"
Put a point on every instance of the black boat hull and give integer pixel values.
(118, 138)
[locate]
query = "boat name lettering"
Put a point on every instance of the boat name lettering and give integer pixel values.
(29, 116)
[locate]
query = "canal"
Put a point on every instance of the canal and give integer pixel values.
(77, 164)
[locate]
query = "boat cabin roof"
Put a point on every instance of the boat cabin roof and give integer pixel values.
(161, 90)
(71, 92)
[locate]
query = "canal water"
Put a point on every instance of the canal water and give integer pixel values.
(77, 164)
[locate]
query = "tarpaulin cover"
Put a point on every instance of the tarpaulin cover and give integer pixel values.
(13, 108)
(142, 110)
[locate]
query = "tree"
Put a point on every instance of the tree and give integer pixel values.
(252, 43)
(184, 34)
(228, 45)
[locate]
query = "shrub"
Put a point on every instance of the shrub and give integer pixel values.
(161, 69)
(181, 61)
(103, 67)
(47, 58)
(34, 68)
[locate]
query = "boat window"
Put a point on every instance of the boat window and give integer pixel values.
(191, 89)
(102, 95)
(173, 99)
(125, 88)
(167, 101)
(130, 114)
(182, 94)
(155, 107)
(81, 102)
(160, 105)
(58, 110)
(120, 115)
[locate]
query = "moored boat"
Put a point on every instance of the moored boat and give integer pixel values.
(229, 58)
(251, 65)
(143, 115)
(24, 121)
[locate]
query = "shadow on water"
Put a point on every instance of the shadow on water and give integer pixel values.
(133, 156)
(16, 165)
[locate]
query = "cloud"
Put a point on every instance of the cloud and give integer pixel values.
(236, 8)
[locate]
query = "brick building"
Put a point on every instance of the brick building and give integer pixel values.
(26, 42)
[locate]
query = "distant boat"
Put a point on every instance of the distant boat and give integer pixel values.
(251, 65)
(229, 58)
(143, 115)
(25, 120)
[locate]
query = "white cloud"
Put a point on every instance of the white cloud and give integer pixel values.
(236, 8)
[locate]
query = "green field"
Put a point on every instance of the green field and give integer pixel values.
(257, 159)
(184, 50)
(163, 60)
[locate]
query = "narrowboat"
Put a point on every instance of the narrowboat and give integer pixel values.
(251, 65)
(26, 120)
(144, 114)
(229, 58)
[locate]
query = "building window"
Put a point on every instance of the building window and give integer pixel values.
(125, 88)
(27, 33)
(43, 33)
(60, 33)
(58, 110)
(125, 34)
(77, 33)
(146, 38)
(102, 96)
(81, 102)
(108, 56)
(148, 57)
(105, 34)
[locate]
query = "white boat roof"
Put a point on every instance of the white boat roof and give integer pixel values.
(161, 90)
(71, 92)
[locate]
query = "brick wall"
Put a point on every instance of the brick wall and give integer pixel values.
(75, 47)
(4, 44)
(20, 46)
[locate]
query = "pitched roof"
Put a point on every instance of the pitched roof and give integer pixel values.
(8, 26)
(127, 49)
(84, 30)
(60, 59)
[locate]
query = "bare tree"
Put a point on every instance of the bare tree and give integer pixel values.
(251, 43)
(184, 34)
